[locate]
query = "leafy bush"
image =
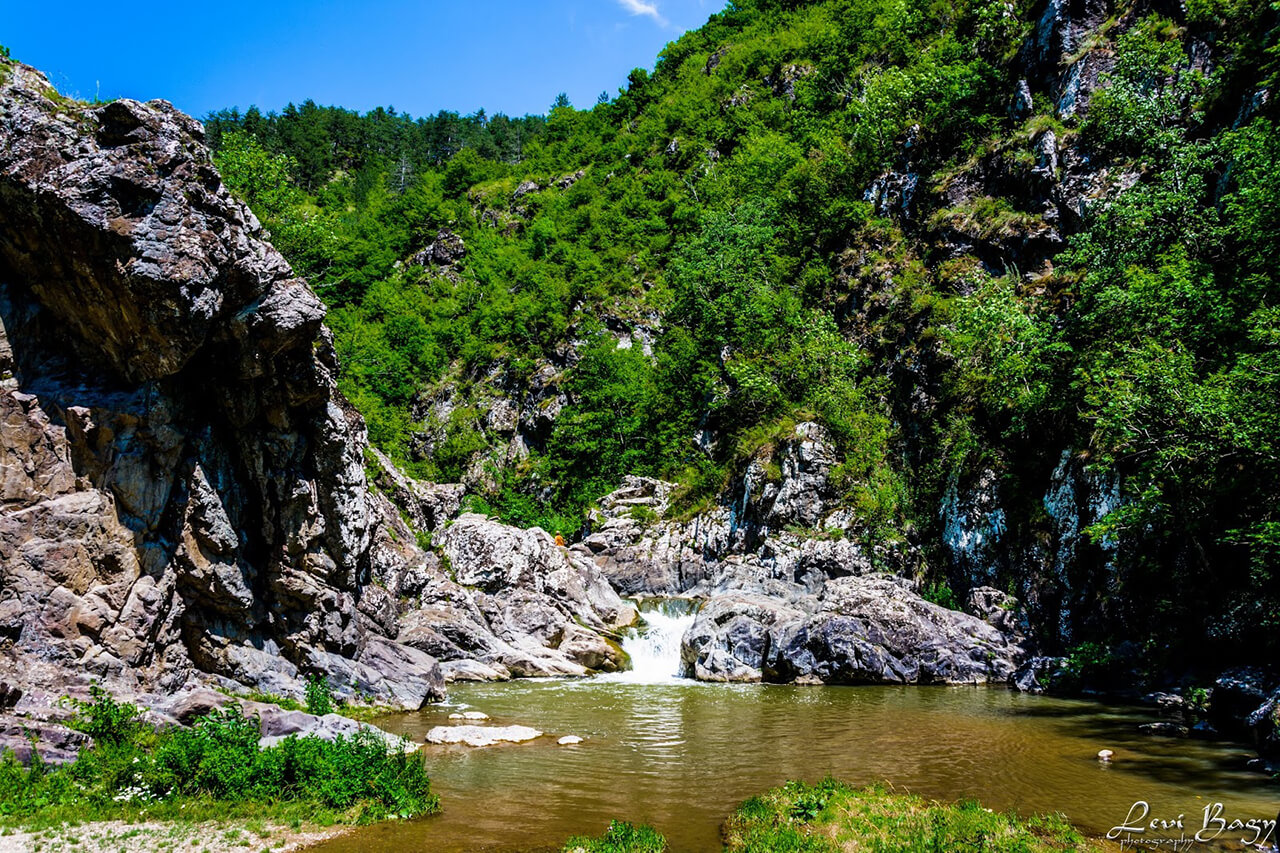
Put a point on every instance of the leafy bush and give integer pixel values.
(1143, 105)
(216, 757)
(214, 764)
(1089, 664)
(319, 695)
(106, 720)
(809, 801)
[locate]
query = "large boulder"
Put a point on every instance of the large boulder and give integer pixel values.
(497, 557)
(518, 602)
(860, 630)
(731, 638)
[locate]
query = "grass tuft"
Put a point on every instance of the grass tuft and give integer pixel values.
(620, 837)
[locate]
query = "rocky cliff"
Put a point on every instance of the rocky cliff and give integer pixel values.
(184, 489)
(790, 588)
(185, 492)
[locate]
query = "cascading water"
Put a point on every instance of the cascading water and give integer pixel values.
(655, 648)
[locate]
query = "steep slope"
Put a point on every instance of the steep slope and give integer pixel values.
(1009, 256)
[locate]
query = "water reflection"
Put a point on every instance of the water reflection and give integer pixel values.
(682, 755)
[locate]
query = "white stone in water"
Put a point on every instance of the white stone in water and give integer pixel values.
(481, 735)
(1105, 754)
(470, 715)
(569, 740)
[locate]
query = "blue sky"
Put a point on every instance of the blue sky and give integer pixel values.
(419, 57)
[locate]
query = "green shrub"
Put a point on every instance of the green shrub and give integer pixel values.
(1087, 664)
(104, 719)
(319, 695)
(940, 593)
(214, 767)
(215, 757)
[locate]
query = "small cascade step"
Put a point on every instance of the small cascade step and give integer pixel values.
(655, 648)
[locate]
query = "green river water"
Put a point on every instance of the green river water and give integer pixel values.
(682, 755)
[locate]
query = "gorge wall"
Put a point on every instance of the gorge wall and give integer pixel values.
(184, 490)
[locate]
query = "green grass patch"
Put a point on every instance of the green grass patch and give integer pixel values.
(832, 816)
(620, 837)
(213, 770)
(287, 703)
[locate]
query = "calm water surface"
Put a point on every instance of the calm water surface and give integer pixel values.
(682, 756)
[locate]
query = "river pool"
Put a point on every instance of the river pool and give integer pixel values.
(681, 755)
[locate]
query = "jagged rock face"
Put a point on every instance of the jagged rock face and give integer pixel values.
(1062, 575)
(640, 557)
(791, 593)
(445, 251)
(859, 630)
(791, 530)
(518, 604)
(182, 485)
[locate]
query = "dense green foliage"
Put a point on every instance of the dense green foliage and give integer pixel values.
(215, 767)
(722, 206)
(325, 140)
(832, 816)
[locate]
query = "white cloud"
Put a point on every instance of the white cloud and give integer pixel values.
(640, 7)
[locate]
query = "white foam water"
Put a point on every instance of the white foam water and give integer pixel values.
(655, 649)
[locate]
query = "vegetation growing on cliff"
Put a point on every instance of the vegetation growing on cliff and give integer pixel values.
(213, 770)
(837, 210)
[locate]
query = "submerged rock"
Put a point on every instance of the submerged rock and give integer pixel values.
(481, 735)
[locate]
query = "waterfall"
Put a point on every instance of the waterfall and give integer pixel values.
(655, 648)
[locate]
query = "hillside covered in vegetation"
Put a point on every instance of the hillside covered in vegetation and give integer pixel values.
(1009, 254)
